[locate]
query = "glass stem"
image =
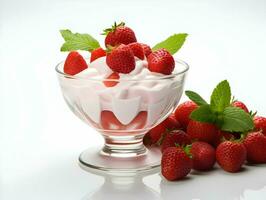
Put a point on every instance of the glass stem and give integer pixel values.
(124, 146)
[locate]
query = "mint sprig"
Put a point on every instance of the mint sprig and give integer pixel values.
(219, 111)
(172, 43)
(203, 114)
(221, 96)
(196, 98)
(77, 41)
(236, 120)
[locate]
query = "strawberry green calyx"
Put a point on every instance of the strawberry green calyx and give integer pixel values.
(186, 149)
(113, 28)
(109, 48)
(239, 140)
(242, 137)
(252, 113)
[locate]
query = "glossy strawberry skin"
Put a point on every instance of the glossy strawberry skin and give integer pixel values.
(203, 156)
(231, 155)
(255, 144)
(183, 112)
(121, 35)
(260, 124)
(161, 61)
(221, 136)
(175, 163)
(97, 53)
(137, 50)
(241, 105)
(200, 131)
(173, 138)
(157, 132)
(110, 83)
(121, 59)
(74, 63)
(171, 123)
(147, 49)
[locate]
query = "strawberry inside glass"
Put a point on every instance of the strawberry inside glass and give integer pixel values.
(126, 109)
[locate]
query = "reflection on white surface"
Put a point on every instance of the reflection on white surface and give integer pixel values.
(123, 187)
(218, 185)
(254, 194)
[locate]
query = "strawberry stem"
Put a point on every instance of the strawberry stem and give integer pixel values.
(113, 28)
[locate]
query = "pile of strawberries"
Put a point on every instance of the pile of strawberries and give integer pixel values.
(121, 50)
(188, 144)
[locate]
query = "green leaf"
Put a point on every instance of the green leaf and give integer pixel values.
(172, 43)
(203, 114)
(77, 41)
(236, 120)
(221, 97)
(196, 98)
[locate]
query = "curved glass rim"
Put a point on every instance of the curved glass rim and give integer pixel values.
(186, 68)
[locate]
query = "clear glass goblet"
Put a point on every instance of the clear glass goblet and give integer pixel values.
(122, 114)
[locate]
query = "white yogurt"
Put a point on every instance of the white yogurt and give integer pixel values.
(127, 98)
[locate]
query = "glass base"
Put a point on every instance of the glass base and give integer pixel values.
(93, 159)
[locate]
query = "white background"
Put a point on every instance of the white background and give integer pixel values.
(41, 139)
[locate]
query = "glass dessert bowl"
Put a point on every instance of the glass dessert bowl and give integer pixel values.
(122, 112)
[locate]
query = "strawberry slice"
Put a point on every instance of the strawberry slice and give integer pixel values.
(97, 53)
(74, 63)
(111, 83)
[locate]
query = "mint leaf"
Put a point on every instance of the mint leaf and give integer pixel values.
(196, 98)
(236, 120)
(203, 114)
(77, 41)
(172, 43)
(221, 97)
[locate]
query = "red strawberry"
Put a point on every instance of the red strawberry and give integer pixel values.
(183, 112)
(168, 124)
(221, 136)
(121, 59)
(255, 144)
(231, 155)
(171, 123)
(203, 156)
(74, 63)
(119, 34)
(147, 49)
(156, 133)
(161, 61)
(241, 105)
(108, 83)
(173, 138)
(205, 132)
(175, 163)
(137, 50)
(97, 53)
(260, 124)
